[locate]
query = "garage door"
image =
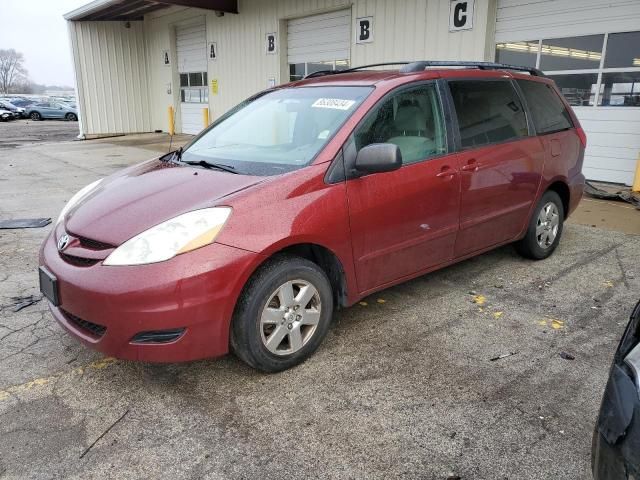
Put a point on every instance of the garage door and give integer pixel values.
(591, 54)
(191, 44)
(318, 42)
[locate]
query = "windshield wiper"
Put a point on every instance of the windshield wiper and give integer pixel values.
(205, 164)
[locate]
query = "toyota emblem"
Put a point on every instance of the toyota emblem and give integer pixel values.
(63, 241)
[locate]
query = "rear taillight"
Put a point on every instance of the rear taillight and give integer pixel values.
(582, 136)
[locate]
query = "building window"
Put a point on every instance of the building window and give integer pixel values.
(193, 87)
(518, 53)
(297, 71)
(623, 50)
(620, 89)
(590, 70)
(579, 89)
(571, 53)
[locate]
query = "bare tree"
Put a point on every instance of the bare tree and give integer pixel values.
(12, 70)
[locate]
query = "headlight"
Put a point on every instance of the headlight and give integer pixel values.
(77, 197)
(181, 234)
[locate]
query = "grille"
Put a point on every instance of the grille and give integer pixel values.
(78, 261)
(158, 336)
(89, 327)
(93, 244)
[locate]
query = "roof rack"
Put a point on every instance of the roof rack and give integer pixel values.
(322, 73)
(421, 65)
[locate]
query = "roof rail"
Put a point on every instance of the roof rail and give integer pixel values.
(322, 73)
(421, 65)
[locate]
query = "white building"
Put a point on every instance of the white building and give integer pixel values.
(135, 59)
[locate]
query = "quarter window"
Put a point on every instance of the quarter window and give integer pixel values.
(410, 119)
(547, 110)
(488, 112)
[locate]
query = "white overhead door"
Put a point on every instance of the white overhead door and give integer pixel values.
(319, 42)
(191, 47)
(591, 50)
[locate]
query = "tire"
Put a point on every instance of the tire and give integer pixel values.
(545, 228)
(272, 335)
(35, 116)
(71, 117)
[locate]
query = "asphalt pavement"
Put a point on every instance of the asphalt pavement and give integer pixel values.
(455, 374)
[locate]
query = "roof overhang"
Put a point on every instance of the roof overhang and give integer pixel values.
(105, 10)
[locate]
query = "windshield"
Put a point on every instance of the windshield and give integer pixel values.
(277, 132)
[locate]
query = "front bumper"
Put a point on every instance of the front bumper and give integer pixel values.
(616, 440)
(196, 291)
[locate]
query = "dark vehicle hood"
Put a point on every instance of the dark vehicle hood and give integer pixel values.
(137, 198)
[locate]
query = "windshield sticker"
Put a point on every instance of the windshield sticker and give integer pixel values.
(335, 103)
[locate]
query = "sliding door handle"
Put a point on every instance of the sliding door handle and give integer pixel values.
(472, 166)
(446, 172)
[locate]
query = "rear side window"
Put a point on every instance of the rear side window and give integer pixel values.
(547, 110)
(488, 112)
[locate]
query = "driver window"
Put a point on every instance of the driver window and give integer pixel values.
(410, 119)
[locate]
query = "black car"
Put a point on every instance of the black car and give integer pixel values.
(615, 453)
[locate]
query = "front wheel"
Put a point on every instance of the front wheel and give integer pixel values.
(35, 116)
(545, 228)
(283, 314)
(71, 117)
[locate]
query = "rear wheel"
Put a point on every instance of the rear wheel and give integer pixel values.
(545, 228)
(35, 116)
(283, 314)
(71, 117)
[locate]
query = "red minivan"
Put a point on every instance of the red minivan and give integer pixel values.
(306, 198)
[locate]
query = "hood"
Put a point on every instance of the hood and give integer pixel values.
(137, 198)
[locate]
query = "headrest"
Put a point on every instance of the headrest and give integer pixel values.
(410, 118)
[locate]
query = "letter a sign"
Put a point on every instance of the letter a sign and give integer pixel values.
(213, 51)
(364, 30)
(461, 15)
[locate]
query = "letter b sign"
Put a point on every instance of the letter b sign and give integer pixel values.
(364, 30)
(271, 44)
(461, 15)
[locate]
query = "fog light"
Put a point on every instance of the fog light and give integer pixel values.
(158, 336)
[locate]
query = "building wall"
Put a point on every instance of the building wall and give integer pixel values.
(613, 133)
(403, 30)
(111, 76)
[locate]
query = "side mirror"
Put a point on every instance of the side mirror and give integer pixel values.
(378, 158)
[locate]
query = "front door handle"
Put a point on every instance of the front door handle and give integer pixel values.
(472, 166)
(446, 172)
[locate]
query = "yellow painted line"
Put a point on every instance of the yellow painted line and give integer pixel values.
(39, 382)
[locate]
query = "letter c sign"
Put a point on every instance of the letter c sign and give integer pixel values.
(461, 15)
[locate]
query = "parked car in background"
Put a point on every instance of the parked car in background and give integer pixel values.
(22, 102)
(44, 110)
(615, 453)
(6, 115)
(17, 112)
(312, 196)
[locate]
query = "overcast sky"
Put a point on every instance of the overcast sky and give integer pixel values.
(36, 28)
